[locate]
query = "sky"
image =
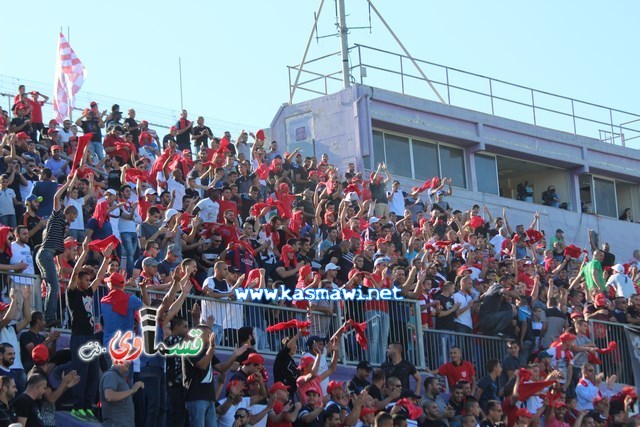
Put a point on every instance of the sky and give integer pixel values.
(234, 55)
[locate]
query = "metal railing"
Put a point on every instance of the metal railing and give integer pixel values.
(389, 70)
(619, 361)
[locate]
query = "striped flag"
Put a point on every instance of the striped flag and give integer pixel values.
(70, 74)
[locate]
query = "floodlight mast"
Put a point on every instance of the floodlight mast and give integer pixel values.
(344, 44)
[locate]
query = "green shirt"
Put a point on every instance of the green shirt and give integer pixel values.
(591, 267)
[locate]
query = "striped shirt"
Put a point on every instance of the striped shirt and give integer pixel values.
(54, 233)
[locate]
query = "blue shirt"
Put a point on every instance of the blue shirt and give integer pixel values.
(47, 190)
(114, 321)
(99, 233)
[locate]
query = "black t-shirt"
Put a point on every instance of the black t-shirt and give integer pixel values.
(80, 304)
(7, 415)
(609, 260)
(17, 121)
(28, 408)
(93, 127)
(184, 139)
(113, 180)
(306, 410)
(289, 282)
(432, 423)
(374, 392)
(199, 382)
(446, 322)
(31, 222)
(379, 193)
(402, 371)
(134, 132)
(204, 139)
(285, 370)
(26, 338)
(356, 385)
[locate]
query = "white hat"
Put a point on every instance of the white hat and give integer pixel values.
(112, 192)
(331, 266)
(170, 213)
(619, 268)
(149, 191)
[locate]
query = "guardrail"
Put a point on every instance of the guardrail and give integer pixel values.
(619, 361)
(389, 70)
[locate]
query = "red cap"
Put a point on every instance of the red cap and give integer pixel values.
(40, 354)
(70, 242)
(278, 386)
(306, 361)
(630, 391)
(55, 147)
(462, 269)
(577, 315)
(172, 128)
(304, 271)
(52, 131)
(254, 358)
(116, 280)
(600, 300)
(22, 135)
(559, 404)
(567, 337)
(333, 384)
(144, 123)
(366, 411)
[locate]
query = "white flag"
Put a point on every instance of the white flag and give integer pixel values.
(70, 74)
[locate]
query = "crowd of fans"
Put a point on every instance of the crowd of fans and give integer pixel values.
(115, 219)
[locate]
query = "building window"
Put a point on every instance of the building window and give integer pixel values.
(487, 174)
(417, 159)
(605, 195)
(452, 165)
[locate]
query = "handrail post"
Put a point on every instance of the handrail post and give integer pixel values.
(493, 113)
(339, 321)
(446, 69)
(360, 64)
(613, 135)
(573, 116)
(401, 74)
(533, 105)
(419, 337)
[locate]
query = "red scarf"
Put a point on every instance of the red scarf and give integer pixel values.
(83, 143)
(101, 245)
(296, 223)
(290, 324)
(101, 212)
(284, 252)
(119, 301)
(132, 175)
(361, 338)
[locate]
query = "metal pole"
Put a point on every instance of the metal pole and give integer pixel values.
(406, 52)
(180, 71)
(344, 44)
(306, 50)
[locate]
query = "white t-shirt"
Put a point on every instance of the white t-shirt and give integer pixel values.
(180, 191)
(464, 300)
(22, 253)
(8, 334)
(78, 223)
(208, 210)
(227, 419)
(622, 284)
(396, 204)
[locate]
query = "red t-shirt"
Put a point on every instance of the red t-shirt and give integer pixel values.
(110, 141)
(278, 407)
(527, 280)
(228, 233)
(36, 110)
(314, 384)
(375, 304)
(463, 371)
(225, 205)
(511, 411)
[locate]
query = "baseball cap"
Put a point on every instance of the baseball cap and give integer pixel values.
(306, 361)
(254, 358)
(365, 365)
(149, 191)
(619, 268)
(278, 386)
(33, 197)
(116, 280)
(40, 354)
(234, 382)
(312, 339)
(144, 123)
(559, 230)
(381, 260)
(112, 192)
(333, 384)
(170, 213)
(331, 266)
(55, 147)
(150, 262)
(373, 220)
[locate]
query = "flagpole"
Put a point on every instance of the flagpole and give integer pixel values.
(180, 71)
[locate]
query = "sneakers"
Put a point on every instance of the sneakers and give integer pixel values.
(84, 415)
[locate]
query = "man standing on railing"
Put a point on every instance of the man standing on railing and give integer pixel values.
(52, 245)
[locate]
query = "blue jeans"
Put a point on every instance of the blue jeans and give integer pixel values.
(97, 149)
(377, 335)
(201, 413)
(219, 331)
(130, 243)
(260, 336)
(45, 259)
(8, 220)
(84, 393)
(155, 390)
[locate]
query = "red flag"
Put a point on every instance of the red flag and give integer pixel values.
(534, 236)
(288, 325)
(157, 166)
(476, 221)
(572, 251)
(413, 410)
(132, 175)
(610, 348)
(101, 245)
(361, 338)
(83, 143)
(256, 210)
(526, 390)
(253, 276)
(432, 183)
(260, 135)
